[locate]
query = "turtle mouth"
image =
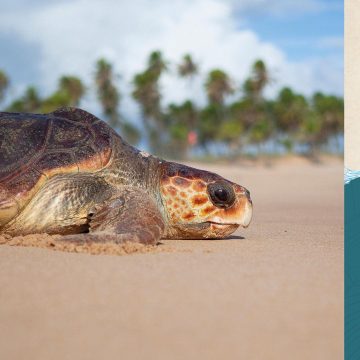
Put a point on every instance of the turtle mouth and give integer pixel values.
(203, 230)
(241, 218)
(216, 225)
(219, 224)
(220, 230)
(225, 225)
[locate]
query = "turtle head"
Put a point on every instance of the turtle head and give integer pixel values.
(202, 205)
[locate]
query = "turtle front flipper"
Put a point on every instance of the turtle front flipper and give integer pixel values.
(131, 215)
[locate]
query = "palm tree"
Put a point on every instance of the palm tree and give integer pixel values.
(29, 102)
(73, 87)
(147, 93)
(69, 93)
(107, 92)
(209, 123)
(290, 109)
(146, 87)
(4, 84)
(230, 132)
(181, 121)
(258, 114)
(187, 68)
(254, 86)
(156, 63)
(244, 111)
(218, 85)
(310, 133)
(260, 78)
(110, 98)
(261, 131)
(32, 100)
(238, 122)
(330, 110)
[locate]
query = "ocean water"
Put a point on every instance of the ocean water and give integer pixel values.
(350, 175)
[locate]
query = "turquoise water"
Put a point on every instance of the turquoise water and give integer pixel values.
(350, 175)
(352, 264)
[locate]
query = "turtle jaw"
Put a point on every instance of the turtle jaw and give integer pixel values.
(219, 226)
(240, 216)
(198, 231)
(222, 230)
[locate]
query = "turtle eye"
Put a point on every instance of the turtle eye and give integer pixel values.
(222, 194)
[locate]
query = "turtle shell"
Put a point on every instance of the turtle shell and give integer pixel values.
(36, 147)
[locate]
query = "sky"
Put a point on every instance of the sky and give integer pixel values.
(300, 41)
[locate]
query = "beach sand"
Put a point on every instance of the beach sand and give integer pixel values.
(272, 291)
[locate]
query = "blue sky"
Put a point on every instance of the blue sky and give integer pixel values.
(302, 42)
(303, 35)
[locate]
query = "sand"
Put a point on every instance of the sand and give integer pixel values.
(273, 291)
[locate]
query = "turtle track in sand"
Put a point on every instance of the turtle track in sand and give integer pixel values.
(54, 242)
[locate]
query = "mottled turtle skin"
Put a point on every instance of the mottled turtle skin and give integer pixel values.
(69, 173)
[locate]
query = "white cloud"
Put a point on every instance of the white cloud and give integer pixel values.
(73, 35)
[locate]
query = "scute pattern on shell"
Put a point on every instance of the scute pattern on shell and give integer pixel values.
(35, 147)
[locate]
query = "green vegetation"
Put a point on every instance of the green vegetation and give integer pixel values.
(4, 83)
(234, 118)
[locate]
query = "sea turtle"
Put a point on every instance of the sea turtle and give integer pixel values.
(68, 172)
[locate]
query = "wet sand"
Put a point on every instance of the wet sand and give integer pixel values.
(273, 291)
